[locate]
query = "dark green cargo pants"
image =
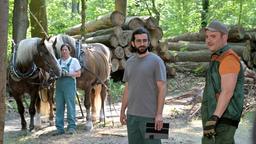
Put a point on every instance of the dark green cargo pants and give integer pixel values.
(136, 127)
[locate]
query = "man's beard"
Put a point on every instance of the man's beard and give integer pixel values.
(141, 50)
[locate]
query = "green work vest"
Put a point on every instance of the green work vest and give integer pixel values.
(213, 88)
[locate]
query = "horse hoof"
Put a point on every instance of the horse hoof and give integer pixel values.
(101, 119)
(89, 126)
(51, 123)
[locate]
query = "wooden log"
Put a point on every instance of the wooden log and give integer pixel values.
(125, 38)
(114, 64)
(187, 46)
(122, 64)
(191, 66)
(247, 51)
(254, 59)
(149, 22)
(250, 35)
(196, 56)
(114, 18)
(119, 52)
(163, 51)
(236, 34)
(170, 70)
(188, 37)
(127, 51)
(193, 56)
(109, 40)
(117, 31)
(155, 35)
(132, 23)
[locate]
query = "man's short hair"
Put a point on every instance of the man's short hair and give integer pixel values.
(216, 26)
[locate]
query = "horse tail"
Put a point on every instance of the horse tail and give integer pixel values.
(44, 104)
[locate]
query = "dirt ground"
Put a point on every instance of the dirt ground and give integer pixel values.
(181, 130)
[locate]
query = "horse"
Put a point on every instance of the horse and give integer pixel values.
(95, 60)
(31, 58)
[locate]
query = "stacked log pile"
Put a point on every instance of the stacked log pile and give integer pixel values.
(114, 30)
(189, 50)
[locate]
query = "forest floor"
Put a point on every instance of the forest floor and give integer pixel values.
(185, 122)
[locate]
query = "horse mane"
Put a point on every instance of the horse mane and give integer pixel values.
(27, 48)
(62, 38)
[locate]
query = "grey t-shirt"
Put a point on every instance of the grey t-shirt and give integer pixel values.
(141, 75)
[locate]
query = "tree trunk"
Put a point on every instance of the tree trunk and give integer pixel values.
(121, 6)
(106, 21)
(4, 8)
(75, 7)
(20, 20)
(204, 13)
(109, 40)
(83, 15)
(38, 18)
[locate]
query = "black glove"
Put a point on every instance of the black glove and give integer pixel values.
(64, 73)
(209, 129)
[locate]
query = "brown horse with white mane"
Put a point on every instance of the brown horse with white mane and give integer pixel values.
(95, 60)
(31, 60)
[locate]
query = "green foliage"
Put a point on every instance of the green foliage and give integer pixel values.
(176, 16)
(116, 90)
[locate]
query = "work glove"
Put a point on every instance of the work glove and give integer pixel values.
(209, 128)
(64, 73)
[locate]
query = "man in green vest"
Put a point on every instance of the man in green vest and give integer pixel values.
(223, 96)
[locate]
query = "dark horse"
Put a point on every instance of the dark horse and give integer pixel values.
(30, 60)
(95, 60)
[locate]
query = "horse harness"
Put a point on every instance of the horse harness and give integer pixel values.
(33, 73)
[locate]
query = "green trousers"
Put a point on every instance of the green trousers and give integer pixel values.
(224, 135)
(136, 127)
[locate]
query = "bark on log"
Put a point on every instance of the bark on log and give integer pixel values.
(132, 23)
(127, 51)
(250, 35)
(170, 70)
(187, 46)
(122, 64)
(188, 37)
(117, 31)
(236, 34)
(149, 22)
(191, 66)
(114, 18)
(115, 64)
(163, 51)
(195, 56)
(109, 40)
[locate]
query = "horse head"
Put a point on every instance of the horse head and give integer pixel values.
(46, 58)
(55, 42)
